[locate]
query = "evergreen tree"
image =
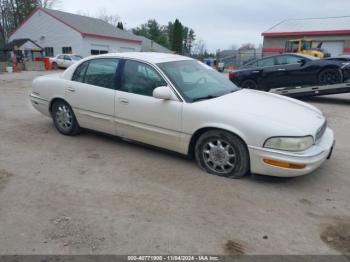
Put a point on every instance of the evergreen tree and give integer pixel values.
(191, 37)
(154, 31)
(120, 25)
(174, 36)
(177, 43)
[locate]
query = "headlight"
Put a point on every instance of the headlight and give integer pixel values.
(289, 143)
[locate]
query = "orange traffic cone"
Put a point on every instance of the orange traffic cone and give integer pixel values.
(15, 68)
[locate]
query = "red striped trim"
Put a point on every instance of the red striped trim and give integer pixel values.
(273, 50)
(75, 29)
(346, 50)
(334, 32)
(112, 37)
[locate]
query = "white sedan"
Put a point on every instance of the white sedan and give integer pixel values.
(180, 104)
(64, 60)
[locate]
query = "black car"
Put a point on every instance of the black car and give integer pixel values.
(290, 70)
(343, 58)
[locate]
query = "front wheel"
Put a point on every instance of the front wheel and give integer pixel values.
(330, 76)
(64, 119)
(222, 153)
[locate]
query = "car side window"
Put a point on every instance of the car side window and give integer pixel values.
(250, 65)
(79, 73)
(140, 78)
(60, 57)
(66, 57)
(101, 72)
(287, 60)
(266, 62)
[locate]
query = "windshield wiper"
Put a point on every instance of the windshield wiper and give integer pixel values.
(204, 98)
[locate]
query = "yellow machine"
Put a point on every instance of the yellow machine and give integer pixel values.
(305, 47)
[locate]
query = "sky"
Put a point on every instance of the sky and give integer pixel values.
(219, 23)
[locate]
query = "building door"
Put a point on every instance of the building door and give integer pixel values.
(127, 49)
(335, 48)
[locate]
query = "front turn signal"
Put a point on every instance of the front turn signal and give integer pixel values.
(284, 164)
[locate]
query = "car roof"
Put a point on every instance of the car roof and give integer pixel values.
(152, 57)
(292, 54)
(68, 54)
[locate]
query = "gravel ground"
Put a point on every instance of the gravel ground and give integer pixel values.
(96, 194)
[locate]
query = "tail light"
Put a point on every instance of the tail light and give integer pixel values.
(231, 75)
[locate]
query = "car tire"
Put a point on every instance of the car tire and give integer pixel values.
(249, 84)
(54, 66)
(64, 119)
(222, 153)
(330, 76)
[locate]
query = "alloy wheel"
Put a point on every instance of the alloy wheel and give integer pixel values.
(219, 156)
(64, 117)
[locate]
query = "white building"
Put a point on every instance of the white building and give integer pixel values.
(60, 32)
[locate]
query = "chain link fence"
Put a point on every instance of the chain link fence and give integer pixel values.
(237, 58)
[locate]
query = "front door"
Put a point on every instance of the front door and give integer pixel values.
(140, 116)
(91, 94)
(268, 73)
(290, 72)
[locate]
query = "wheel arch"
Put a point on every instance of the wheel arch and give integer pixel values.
(331, 67)
(53, 100)
(196, 135)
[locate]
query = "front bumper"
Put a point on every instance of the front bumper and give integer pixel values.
(312, 158)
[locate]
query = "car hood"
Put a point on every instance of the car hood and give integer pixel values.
(289, 114)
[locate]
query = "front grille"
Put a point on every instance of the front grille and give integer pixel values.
(321, 131)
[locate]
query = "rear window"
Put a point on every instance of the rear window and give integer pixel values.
(101, 72)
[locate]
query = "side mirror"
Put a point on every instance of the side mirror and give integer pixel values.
(301, 61)
(163, 92)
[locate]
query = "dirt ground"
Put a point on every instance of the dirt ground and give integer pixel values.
(95, 194)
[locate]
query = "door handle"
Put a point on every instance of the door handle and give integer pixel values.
(71, 89)
(281, 69)
(256, 71)
(124, 100)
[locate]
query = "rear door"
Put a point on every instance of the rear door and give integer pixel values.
(67, 61)
(91, 94)
(60, 60)
(269, 73)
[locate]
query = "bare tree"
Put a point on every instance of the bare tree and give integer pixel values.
(103, 15)
(49, 3)
(110, 19)
(233, 47)
(199, 47)
(247, 46)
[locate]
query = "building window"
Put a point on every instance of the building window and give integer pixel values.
(67, 50)
(49, 51)
(98, 52)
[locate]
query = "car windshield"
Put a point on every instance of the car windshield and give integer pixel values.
(76, 57)
(196, 81)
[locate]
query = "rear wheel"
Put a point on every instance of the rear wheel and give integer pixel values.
(249, 84)
(64, 119)
(222, 153)
(330, 76)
